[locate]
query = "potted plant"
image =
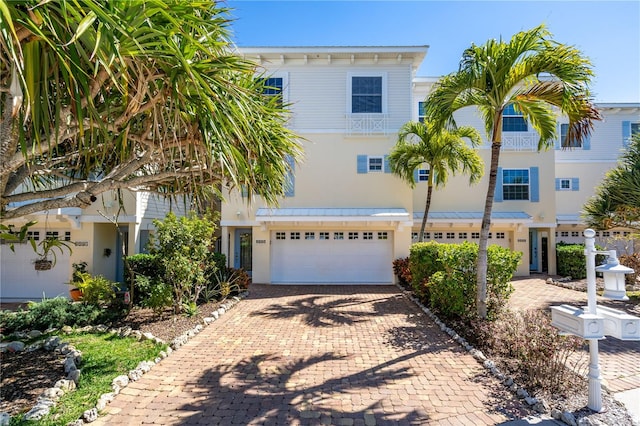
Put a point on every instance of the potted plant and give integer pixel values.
(46, 251)
(79, 281)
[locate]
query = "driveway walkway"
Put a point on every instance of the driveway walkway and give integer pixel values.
(619, 360)
(294, 355)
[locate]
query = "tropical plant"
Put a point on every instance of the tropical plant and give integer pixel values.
(441, 150)
(616, 202)
(46, 251)
(533, 74)
(141, 95)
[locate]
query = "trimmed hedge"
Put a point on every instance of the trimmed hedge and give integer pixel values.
(444, 276)
(572, 262)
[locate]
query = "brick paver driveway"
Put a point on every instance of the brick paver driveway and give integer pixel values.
(292, 355)
(619, 360)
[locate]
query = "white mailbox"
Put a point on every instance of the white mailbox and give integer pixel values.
(576, 321)
(619, 324)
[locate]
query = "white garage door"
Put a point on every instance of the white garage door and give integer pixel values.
(19, 280)
(339, 257)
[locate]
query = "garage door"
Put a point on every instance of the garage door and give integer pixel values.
(19, 280)
(339, 257)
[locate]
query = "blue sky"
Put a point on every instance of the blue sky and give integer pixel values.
(608, 32)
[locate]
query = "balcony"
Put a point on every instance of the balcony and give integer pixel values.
(520, 141)
(367, 124)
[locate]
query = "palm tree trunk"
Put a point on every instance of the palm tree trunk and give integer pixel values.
(426, 212)
(481, 267)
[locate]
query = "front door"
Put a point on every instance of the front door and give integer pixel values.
(242, 252)
(533, 250)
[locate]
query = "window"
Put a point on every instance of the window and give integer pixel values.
(423, 175)
(295, 235)
(273, 87)
(626, 233)
(564, 233)
(575, 233)
(475, 235)
(462, 235)
(52, 235)
(309, 235)
(375, 164)
(564, 129)
(367, 235)
(281, 235)
(597, 233)
(33, 235)
(353, 235)
(606, 233)
(427, 235)
(414, 236)
(338, 235)
(565, 184)
(383, 235)
(67, 236)
(635, 128)
(500, 235)
(616, 233)
(513, 121)
(323, 235)
(490, 234)
(515, 184)
(451, 235)
(421, 111)
(366, 94)
(437, 235)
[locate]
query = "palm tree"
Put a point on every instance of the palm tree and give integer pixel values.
(617, 199)
(442, 151)
(146, 95)
(534, 74)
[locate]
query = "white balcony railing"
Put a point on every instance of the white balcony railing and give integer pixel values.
(520, 141)
(367, 124)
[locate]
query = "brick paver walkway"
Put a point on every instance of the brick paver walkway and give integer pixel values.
(619, 360)
(293, 355)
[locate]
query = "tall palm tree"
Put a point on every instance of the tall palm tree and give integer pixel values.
(534, 74)
(442, 151)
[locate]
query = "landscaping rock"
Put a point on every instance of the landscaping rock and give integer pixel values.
(104, 399)
(90, 416)
(5, 418)
(53, 394)
(568, 418)
(15, 346)
(34, 334)
(65, 385)
(74, 375)
(69, 365)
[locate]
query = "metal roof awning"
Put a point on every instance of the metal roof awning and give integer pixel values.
(568, 219)
(474, 217)
(332, 215)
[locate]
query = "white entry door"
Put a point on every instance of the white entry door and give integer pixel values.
(332, 257)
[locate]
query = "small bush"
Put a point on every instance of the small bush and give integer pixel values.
(533, 350)
(572, 262)
(402, 271)
(631, 261)
(156, 294)
(97, 290)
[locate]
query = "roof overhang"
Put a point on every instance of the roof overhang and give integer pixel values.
(569, 219)
(517, 218)
(264, 215)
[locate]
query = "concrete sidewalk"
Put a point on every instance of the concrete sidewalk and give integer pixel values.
(298, 355)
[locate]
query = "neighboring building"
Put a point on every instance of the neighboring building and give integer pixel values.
(346, 217)
(93, 239)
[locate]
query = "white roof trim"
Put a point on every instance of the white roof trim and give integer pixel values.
(332, 215)
(474, 217)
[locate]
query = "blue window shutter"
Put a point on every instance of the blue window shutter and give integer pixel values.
(586, 143)
(290, 181)
(557, 184)
(498, 194)
(362, 164)
(416, 175)
(575, 184)
(558, 144)
(387, 168)
(534, 184)
(626, 132)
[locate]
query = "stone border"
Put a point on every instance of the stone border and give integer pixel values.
(73, 357)
(540, 406)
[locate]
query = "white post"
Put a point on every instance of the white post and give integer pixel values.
(595, 379)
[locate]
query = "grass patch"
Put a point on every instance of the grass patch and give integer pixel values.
(104, 356)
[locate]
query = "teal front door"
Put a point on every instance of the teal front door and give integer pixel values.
(533, 250)
(242, 252)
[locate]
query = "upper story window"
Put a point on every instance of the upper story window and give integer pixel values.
(564, 129)
(515, 184)
(366, 94)
(273, 86)
(421, 111)
(635, 128)
(513, 121)
(565, 184)
(423, 175)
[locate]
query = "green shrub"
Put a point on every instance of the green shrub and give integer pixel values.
(156, 294)
(572, 262)
(55, 313)
(224, 283)
(444, 275)
(97, 290)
